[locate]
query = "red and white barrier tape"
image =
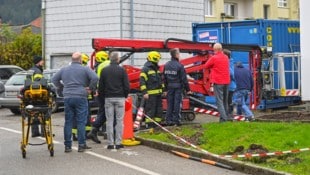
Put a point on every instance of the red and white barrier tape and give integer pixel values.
(246, 155)
(276, 153)
(216, 113)
(139, 118)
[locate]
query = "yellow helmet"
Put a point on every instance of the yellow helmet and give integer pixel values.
(154, 56)
(102, 56)
(85, 59)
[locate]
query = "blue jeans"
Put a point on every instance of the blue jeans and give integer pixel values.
(221, 96)
(174, 100)
(114, 107)
(240, 99)
(75, 109)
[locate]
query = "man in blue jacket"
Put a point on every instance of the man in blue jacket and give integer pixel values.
(232, 85)
(244, 81)
(78, 82)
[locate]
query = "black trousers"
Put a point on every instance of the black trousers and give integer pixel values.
(153, 106)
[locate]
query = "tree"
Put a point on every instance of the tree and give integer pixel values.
(21, 49)
(6, 34)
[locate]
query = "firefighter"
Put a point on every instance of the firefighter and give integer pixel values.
(102, 57)
(84, 59)
(151, 86)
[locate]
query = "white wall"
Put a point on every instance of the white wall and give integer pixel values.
(71, 24)
(305, 49)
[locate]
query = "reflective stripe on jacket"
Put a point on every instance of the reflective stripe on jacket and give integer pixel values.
(151, 79)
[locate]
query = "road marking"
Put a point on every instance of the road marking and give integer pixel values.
(145, 171)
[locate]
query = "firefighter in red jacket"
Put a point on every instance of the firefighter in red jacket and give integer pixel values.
(220, 77)
(151, 86)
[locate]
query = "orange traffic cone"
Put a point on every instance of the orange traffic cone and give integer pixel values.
(128, 136)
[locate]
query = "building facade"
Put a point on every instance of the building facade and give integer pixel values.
(70, 25)
(228, 10)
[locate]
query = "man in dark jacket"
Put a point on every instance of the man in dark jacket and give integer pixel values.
(114, 87)
(244, 81)
(175, 82)
(37, 74)
(151, 86)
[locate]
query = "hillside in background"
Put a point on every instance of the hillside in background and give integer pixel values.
(19, 12)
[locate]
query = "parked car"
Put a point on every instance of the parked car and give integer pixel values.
(6, 71)
(9, 97)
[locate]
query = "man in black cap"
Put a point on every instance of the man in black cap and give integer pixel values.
(37, 73)
(38, 66)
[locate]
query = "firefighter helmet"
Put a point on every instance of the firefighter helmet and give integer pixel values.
(154, 56)
(85, 59)
(102, 56)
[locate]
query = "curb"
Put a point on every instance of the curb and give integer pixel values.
(237, 165)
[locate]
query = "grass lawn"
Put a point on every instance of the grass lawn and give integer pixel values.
(254, 137)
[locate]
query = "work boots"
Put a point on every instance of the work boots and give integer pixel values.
(93, 135)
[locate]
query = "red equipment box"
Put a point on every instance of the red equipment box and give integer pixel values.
(185, 104)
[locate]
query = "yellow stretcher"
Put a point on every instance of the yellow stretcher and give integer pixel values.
(36, 108)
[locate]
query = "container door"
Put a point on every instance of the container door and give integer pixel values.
(243, 34)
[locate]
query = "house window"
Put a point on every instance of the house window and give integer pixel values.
(282, 3)
(230, 9)
(208, 7)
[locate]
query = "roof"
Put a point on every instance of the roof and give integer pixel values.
(37, 22)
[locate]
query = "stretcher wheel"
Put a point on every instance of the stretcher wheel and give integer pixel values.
(51, 148)
(24, 154)
(52, 153)
(23, 149)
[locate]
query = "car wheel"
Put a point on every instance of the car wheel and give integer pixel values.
(15, 111)
(54, 105)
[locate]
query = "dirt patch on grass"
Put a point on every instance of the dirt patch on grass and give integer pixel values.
(253, 149)
(195, 139)
(286, 116)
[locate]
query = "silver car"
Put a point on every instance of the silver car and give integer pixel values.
(9, 96)
(6, 71)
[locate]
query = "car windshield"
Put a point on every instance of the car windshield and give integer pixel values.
(17, 79)
(6, 73)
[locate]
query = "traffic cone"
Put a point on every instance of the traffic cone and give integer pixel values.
(128, 136)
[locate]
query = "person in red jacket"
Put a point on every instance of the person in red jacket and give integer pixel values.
(220, 77)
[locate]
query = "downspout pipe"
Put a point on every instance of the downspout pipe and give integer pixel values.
(131, 27)
(121, 19)
(43, 28)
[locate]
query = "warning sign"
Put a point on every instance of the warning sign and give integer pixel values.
(208, 36)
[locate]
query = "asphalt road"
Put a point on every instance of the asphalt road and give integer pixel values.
(133, 160)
